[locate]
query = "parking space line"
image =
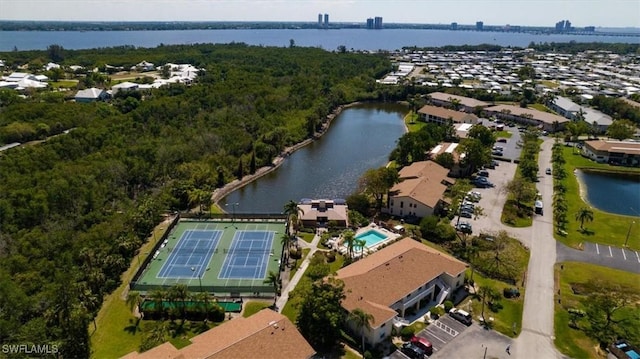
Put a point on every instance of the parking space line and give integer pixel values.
(435, 336)
(637, 256)
(624, 254)
(597, 249)
(610, 253)
(447, 329)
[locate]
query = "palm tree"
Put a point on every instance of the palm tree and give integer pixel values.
(134, 299)
(285, 240)
(361, 320)
(349, 239)
(584, 214)
(478, 212)
(181, 293)
(157, 297)
(273, 279)
(360, 243)
(292, 211)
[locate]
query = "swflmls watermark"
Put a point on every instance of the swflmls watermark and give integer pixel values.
(28, 349)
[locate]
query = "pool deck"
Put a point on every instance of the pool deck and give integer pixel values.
(391, 237)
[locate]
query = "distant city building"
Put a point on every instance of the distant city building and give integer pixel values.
(370, 23)
(326, 20)
(563, 25)
(377, 22)
(319, 20)
(454, 26)
(479, 25)
(590, 28)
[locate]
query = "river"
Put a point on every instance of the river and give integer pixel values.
(358, 39)
(360, 138)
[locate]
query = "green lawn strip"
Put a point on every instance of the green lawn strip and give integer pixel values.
(114, 337)
(412, 122)
(503, 319)
(305, 252)
(307, 237)
(253, 307)
(509, 211)
(539, 107)
(549, 84)
(64, 84)
(606, 228)
(503, 134)
(573, 342)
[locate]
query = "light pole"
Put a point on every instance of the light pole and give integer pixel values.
(628, 233)
(193, 269)
(233, 214)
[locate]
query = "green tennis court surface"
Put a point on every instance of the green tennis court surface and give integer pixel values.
(224, 258)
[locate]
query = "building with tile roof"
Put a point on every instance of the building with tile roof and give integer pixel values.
(466, 104)
(396, 280)
(421, 190)
(443, 115)
(319, 212)
(266, 334)
(616, 152)
(545, 120)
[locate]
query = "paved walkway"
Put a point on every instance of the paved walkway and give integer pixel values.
(284, 295)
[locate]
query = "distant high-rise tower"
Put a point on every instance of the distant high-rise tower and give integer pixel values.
(567, 25)
(326, 20)
(370, 23)
(377, 22)
(454, 26)
(319, 20)
(479, 25)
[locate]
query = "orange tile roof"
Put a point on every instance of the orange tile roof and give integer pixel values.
(266, 334)
(423, 168)
(379, 280)
(422, 182)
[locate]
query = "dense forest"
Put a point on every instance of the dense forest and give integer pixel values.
(75, 208)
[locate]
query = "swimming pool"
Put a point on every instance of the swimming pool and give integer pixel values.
(372, 237)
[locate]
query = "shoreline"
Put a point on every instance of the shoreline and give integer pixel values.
(222, 192)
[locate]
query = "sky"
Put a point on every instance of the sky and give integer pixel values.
(599, 13)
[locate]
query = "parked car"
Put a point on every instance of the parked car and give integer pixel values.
(423, 344)
(497, 153)
(511, 293)
(466, 214)
(502, 140)
(464, 227)
(461, 316)
(482, 182)
(412, 351)
(498, 148)
(483, 173)
(474, 195)
(538, 207)
(548, 171)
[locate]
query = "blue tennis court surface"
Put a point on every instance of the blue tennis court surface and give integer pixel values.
(248, 256)
(192, 253)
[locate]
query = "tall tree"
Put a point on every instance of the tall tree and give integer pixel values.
(621, 129)
(362, 321)
(377, 182)
(584, 214)
(320, 317)
(273, 279)
(348, 238)
(293, 212)
(521, 190)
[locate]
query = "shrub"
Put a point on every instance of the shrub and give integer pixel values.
(406, 333)
(331, 257)
(447, 306)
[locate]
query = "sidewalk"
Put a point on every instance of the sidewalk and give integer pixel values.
(284, 295)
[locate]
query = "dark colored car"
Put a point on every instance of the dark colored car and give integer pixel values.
(466, 214)
(464, 227)
(511, 293)
(412, 351)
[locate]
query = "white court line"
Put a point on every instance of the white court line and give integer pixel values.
(623, 254)
(610, 253)
(597, 249)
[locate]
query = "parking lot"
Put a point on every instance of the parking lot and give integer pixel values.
(473, 341)
(601, 254)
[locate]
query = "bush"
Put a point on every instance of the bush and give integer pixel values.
(331, 257)
(447, 306)
(406, 333)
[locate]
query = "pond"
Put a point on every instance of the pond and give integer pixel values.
(360, 138)
(611, 192)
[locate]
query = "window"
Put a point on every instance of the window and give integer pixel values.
(391, 203)
(382, 335)
(383, 324)
(401, 204)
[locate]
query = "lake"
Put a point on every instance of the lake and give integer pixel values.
(358, 39)
(622, 194)
(360, 138)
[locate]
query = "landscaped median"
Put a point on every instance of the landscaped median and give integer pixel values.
(594, 305)
(605, 228)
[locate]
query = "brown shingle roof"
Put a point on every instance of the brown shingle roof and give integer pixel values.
(388, 275)
(631, 148)
(465, 101)
(423, 168)
(541, 116)
(426, 190)
(266, 334)
(441, 112)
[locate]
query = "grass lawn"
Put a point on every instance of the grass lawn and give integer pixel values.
(70, 84)
(505, 319)
(307, 237)
(539, 107)
(253, 307)
(570, 341)
(115, 336)
(549, 84)
(606, 228)
(412, 122)
(503, 134)
(305, 252)
(510, 217)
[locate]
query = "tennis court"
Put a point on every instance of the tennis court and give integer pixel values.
(224, 257)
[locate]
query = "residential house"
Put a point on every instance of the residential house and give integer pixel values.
(527, 116)
(91, 95)
(420, 192)
(624, 153)
(400, 279)
(266, 334)
(462, 103)
(124, 86)
(573, 111)
(319, 212)
(441, 115)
